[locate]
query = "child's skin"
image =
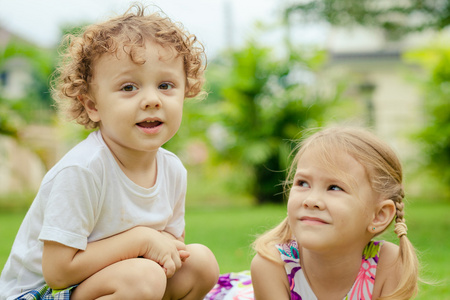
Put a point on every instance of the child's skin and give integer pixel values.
(332, 222)
(108, 220)
(126, 95)
(140, 263)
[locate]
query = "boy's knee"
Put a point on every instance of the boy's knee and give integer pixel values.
(144, 279)
(136, 278)
(197, 276)
(204, 264)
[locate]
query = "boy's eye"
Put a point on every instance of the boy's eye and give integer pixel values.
(165, 86)
(128, 88)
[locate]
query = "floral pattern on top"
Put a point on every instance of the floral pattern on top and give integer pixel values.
(238, 286)
(300, 290)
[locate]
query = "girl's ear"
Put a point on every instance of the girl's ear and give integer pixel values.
(90, 107)
(384, 214)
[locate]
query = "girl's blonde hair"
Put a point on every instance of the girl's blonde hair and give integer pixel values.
(128, 33)
(384, 171)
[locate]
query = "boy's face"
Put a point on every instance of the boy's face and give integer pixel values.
(139, 106)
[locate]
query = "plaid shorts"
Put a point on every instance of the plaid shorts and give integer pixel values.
(46, 293)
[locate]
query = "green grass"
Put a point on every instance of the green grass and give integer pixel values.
(9, 225)
(228, 232)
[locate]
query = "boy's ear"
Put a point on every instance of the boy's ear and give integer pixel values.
(384, 214)
(90, 107)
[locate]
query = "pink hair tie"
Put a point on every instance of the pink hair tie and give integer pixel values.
(400, 229)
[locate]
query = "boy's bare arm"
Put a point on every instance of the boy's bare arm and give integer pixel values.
(171, 236)
(65, 266)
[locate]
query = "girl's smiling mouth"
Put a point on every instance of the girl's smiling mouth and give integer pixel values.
(312, 220)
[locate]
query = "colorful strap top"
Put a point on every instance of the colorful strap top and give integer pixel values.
(300, 290)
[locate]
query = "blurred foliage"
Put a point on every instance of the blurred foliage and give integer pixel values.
(35, 104)
(265, 105)
(396, 18)
(258, 104)
(435, 136)
(10, 120)
(238, 141)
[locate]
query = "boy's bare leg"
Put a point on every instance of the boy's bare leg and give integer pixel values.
(197, 276)
(136, 278)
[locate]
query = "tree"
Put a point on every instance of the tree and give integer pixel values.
(16, 112)
(262, 103)
(435, 136)
(395, 17)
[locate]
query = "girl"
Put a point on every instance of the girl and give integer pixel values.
(346, 189)
(108, 220)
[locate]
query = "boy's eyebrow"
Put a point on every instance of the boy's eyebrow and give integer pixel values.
(127, 72)
(123, 72)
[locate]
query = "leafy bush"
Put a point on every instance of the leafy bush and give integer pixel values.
(257, 104)
(435, 136)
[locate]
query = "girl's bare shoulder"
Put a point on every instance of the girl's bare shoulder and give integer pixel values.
(388, 270)
(271, 260)
(269, 277)
(389, 254)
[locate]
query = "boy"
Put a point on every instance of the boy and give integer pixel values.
(108, 220)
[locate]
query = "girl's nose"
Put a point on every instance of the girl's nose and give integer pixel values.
(313, 201)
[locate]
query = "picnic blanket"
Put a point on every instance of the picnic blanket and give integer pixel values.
(232, 286)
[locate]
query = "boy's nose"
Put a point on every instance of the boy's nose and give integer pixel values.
(150, 100)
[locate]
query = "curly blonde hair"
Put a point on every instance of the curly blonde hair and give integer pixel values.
(128, 33)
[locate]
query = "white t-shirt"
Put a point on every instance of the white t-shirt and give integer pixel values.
(86, 197)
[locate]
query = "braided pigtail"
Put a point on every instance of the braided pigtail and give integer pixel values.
(407, 287)
(400, 226)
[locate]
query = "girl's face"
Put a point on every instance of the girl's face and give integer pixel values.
(331, 210)
(139, 106)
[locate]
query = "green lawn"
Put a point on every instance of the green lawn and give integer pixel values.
(230, 231)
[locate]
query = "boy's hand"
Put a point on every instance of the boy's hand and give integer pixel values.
(167, 252)
(183, 253)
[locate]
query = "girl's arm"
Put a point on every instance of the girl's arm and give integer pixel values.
(269, 279)
(65, 266)
(388, 271)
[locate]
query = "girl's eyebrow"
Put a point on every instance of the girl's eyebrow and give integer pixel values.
(329, 177)
(301, 173)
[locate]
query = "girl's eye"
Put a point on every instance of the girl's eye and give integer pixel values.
(128, 88)
(302, 184)
(335, 188)
(165, 86)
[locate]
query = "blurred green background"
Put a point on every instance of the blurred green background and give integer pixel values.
(236, 143)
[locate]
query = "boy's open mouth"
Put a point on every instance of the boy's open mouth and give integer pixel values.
(149, 124)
